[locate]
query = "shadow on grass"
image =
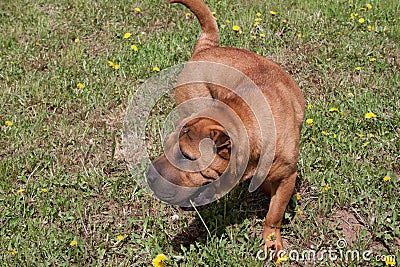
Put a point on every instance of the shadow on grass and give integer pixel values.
(233, 209)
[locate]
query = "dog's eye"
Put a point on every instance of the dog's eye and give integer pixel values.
(186, 156)
(184, 131)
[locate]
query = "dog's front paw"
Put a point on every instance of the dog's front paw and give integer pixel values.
(270, 245)
(273, 249)
(273, 240)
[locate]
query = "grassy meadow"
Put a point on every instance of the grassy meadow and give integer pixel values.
(68, 70)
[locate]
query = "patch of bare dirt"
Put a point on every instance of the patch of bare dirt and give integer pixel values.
(350, 225)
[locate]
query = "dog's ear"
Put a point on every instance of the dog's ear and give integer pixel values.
(221, 139)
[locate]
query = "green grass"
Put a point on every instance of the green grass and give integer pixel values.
(62, 173)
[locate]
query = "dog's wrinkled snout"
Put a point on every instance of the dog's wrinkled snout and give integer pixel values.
(164, 189)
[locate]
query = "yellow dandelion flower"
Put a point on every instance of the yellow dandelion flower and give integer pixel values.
(282, 259)
(116, 92)
(134, 48)
(20, 191)
(371, 135)
(371, 28)
(361, 135)
(137, 9)
(73, 243)
(116, 66)
(254, 37)
(284, 20)
(236, 28)
(366, 144)
(299, 212)
(390, 260)
(127, 35)
(351, 5)
(37, 44)
(271, 237)
(361, 20)
(372, 59)
(334, 135)
(258, 19)
(44, 190)
(80, 85)
(256, 24)
(258, 14)
(358, 68)
(370, 115)
(157, 69)
(386, 178)
(273, 13)
(76, 40)
(326, 187)
(298, 196)
(309, 106)
(363, 9)
(369, 6)
(299, 35)
(313, 139)
(120, 237)
(159, 260)
(262, 35)
(309, 121)
(324, 133)
(45, 129)
(334, 109)
(8, 123)
(13, 252)
(111, 64)
(352, 16)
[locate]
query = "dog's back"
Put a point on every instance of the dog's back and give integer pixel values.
(265, 73)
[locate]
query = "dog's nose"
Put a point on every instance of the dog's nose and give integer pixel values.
(152, 175)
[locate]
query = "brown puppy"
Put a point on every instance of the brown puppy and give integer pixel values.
(286, 104)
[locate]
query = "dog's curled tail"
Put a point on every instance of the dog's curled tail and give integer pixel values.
(209, 30)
